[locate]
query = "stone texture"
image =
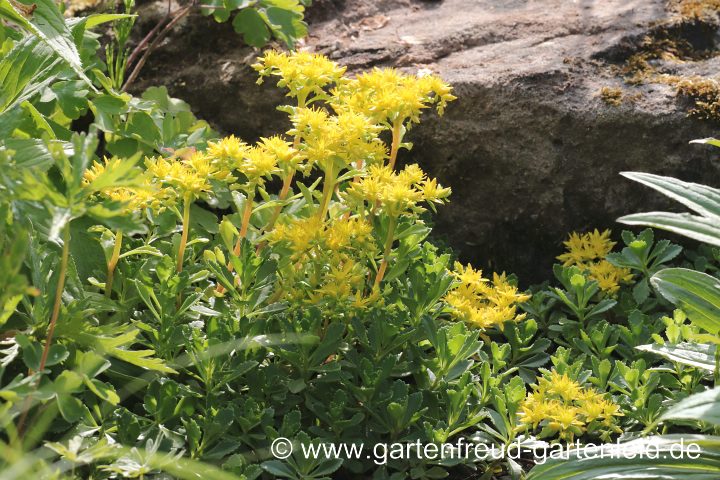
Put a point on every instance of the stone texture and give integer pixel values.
(530, 149)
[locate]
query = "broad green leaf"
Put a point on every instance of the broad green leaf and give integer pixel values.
(70, 407)
(141, 127)
(672, 459)
(221, 15)
(709, 141)
(706, 230)
(67, 382)
(103, 390)
(164, 101)
(278, 469)
(698, 355)
(71, 97)
(91, 364)
(286, 24)
(703, 406)
(699, 198)
(695, 293)
(32, 353)
(251, 25)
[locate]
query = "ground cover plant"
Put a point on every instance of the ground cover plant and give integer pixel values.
(173, 302)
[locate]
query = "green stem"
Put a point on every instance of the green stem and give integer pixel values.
(244, 225)
(187, 202)
(386, 252)
(328, 189)
(282, 197)
(113, 263)
(58, 296)
(396, 139)
(53, 319)
(247, 214)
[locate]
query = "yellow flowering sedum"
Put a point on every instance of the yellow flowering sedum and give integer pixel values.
(562, 408)
(329, 140)
(228, 151)
(142, 196)
(257, 164)
(587, 251)
(397, 193)
(185, 177)
(327, 261)
(302, 73)
(287, 157)
(329, 252)
(389, 96)
(482, 303)
(586, 247)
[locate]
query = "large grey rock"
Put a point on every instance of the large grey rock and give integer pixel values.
(530, 148)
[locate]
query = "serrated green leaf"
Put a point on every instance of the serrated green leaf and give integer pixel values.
(48, 24)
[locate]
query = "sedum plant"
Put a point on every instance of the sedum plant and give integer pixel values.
(560, 406)
(316, 284)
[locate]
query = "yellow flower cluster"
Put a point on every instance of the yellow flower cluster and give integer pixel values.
(191, 173)
(288, 158)
(302, 73)
(559, 406)
(587, 251)
(482, 303)
(186, 175)
(142, 196)
(326, 259)
(397, 193)
(227, 151)
(329, 139)
(305, 234)
(389, 96)
(255, 162)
